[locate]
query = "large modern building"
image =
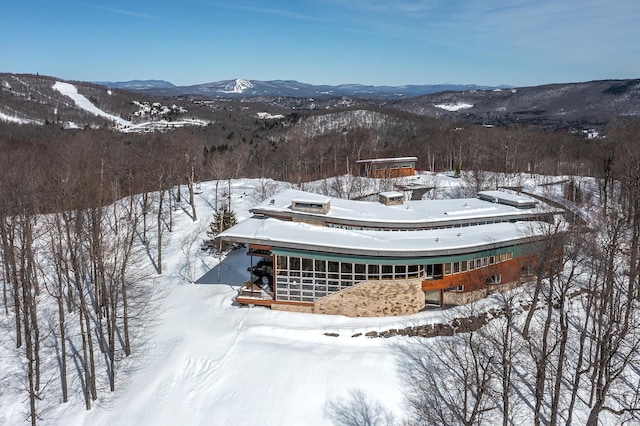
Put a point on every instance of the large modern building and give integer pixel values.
(313, 253)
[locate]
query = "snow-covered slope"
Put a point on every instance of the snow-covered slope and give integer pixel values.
(81, 101)
(237, 86)
(17, 120)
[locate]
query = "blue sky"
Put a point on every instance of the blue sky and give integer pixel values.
(392, 42)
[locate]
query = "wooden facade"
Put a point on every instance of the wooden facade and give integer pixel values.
(486, 278)
(480, 273)
(384, 168)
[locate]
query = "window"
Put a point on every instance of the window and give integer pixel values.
(307, 279)
(294, 263)
(400, 271)
(456, 288)
(527, 271)
(429, 271)
(387, 272)
(447, 269)
(361, 271)
(413, 271)
(456, 267)
(307, 264)
(374, 271)
(494, 279)
(463, 266)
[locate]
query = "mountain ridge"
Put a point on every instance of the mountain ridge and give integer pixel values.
(243, 88)
(31, 99)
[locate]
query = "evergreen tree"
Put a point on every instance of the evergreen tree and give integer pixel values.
(224, 218)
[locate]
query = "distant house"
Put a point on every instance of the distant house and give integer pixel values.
(317, 254)
(388, 167)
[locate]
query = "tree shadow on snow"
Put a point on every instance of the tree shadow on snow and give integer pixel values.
(232, 270)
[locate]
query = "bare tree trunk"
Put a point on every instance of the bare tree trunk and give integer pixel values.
(159, 237)
(170, 227)
(85, 356)
(57, 291)
(130, 238)
(190, 182)
(145, 208)
(27, 321)
(9, 248)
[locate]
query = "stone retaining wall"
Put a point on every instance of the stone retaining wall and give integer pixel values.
(462, 298)
(305, 309)
(374, 299)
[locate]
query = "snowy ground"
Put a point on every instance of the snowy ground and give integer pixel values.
(203, 360)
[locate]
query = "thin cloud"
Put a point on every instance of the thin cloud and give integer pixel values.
(123, 12)
(271, 12)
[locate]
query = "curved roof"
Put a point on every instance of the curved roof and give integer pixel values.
(409, 215)
(422, 243)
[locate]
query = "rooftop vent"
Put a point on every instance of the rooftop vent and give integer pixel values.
(391, 198)
(311, 206)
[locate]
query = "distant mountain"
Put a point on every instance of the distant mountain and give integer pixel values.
(44, 100)
(551, 106)
(33, 99)
(240, 88)
(137, 85)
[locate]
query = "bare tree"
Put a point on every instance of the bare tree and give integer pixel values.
(186, 244)
(613, 323)
(357, 410)
(503, 338)
(449, 381)
(192, 158)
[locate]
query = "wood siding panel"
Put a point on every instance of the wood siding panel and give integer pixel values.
(477, 279)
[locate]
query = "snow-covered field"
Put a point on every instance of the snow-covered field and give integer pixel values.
(454, 107)
(203, 360)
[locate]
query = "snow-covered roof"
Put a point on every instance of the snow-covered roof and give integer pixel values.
(388, 160)
(437, 242)
(508, 198)
(388, 194)
(411, 214)
(416, 228)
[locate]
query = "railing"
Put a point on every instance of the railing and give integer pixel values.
(251, 291)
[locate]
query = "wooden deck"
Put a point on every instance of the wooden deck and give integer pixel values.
(252, 294)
